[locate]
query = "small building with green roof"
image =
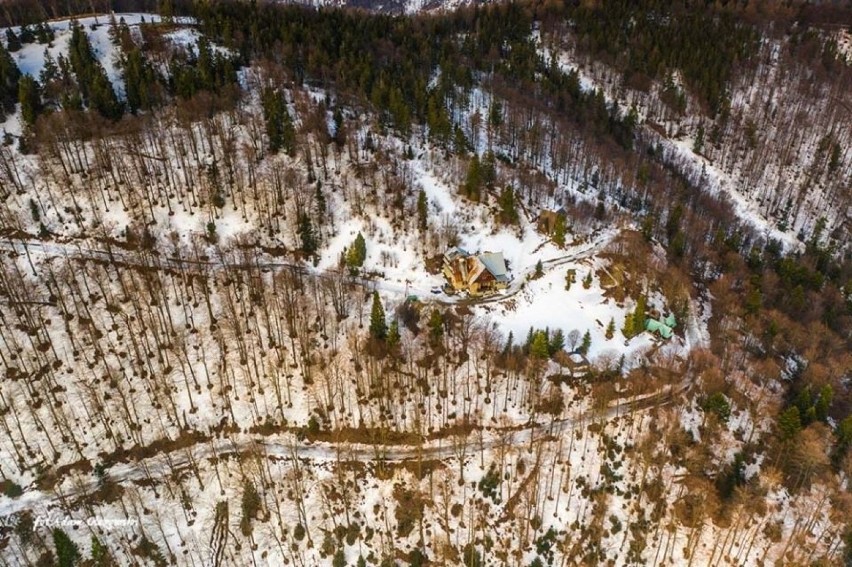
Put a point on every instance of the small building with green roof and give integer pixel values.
(663, 326)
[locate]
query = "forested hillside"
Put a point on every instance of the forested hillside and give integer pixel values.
(225, 333)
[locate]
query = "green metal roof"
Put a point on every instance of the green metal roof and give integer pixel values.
(655, 326)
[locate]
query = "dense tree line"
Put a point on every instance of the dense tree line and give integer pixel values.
(79, 81)
(410, 70)
(143, 86)
(95, 88)
(9, 77)
(654, 38)
(204, 69)
(20, 12)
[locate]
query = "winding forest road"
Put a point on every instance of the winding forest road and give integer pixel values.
(287, 446)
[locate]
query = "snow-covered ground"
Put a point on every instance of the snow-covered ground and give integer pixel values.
(247, 359)
(844, 44)
(30, 58)
(702, 170)
(545, 303)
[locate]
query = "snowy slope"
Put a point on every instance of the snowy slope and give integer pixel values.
(775, 184)
(30, 58)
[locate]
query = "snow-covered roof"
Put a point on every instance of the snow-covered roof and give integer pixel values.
(456, 252)
(496, 264)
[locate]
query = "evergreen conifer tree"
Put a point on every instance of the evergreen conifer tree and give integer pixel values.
(307, 235)
(279, 125)
(540, 347)
(67, 552)
(789, 423)
(378, 325)
(393, 334)
(436, 325)
(587, 343)
(9, 77)
(13, 42)
(30, 98)
(557, 342)
(508, 212)
(559, 231)
(473, 180)
(422, 210)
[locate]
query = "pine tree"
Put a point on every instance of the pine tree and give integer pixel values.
(96, 90)
(628, 331)
(100, 553)
(460, 144)
(440, 127)
(27, 34)
(823, 403)
(339, 128)
(49, 79)
(698, 145)
(753, 301)
(393, 334)
(718, 404)
(639, 315)
(834, 161)
(360, 247)
(29, 98)
(634, 323)
(44, 33)
(472, 185)
(378, 325)
(102, 96)
(789, 423)
(488, 169)
(307, 236)
(319, 202)
(540, 345)
(49, 72)
(557, 342)
(508, 212)
(510, 343)
(356, 253)
(9, 77)
(422, 210)
(69, 93)
(139, 80)
(279, 124)
(13, 42)
(610, 329)
(587, 343)
(67, 552)
(559, 230)
(539, 270)
(587, 281)
(648, 226)
(495, 114)
(436, 325)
